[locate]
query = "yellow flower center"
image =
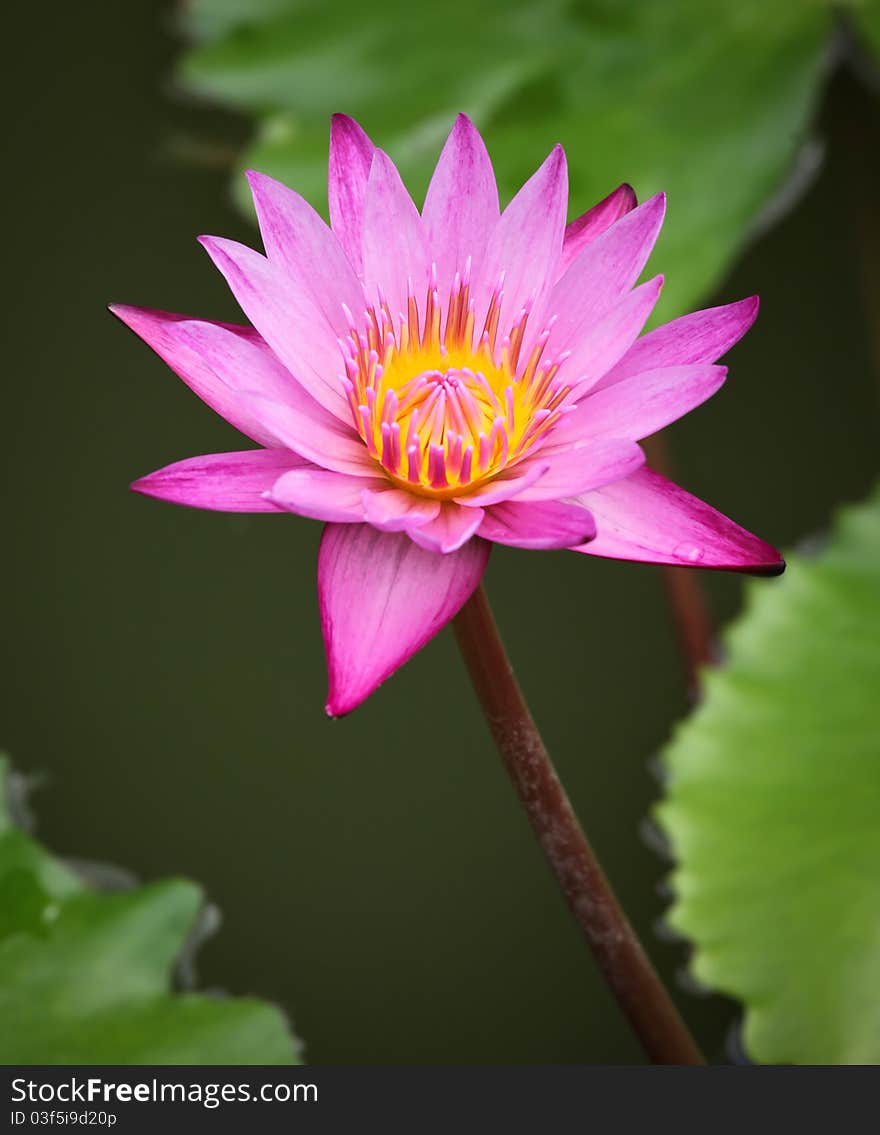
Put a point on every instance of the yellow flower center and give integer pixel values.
(441, 411)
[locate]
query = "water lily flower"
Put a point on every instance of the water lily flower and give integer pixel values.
(428, 384)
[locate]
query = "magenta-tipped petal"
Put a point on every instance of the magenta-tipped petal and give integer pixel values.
(287, 317)
(538, 524)
(297, 240)
(461, 206)
(647, 518)
(395, 254)
(222, 482)
(701, 337)
(594, 222)
(382, 598)
(351, 153)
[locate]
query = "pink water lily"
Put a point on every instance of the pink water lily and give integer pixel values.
(429, 384)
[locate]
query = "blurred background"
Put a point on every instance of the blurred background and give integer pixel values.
(163, 673)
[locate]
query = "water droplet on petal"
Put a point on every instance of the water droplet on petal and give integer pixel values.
(689, 552)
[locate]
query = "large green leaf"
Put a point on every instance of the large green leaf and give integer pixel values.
(707, 99)
(85, 977)
(773, 804)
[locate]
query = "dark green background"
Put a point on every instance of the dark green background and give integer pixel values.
(163, 668)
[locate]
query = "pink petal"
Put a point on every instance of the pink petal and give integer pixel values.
(594, 222)
(224, 482)
(539, 524)
(214, 359)
(321, 495)
(640, 405)
(382, 598)
(461, 206)
(296, 239)
(701, 337)
(527, 242)
(325, 442)
(573, 471)
(508, 485)
(603, 344)
(393, 510)
(351, 153)
(650, 519)
(452, 527)
(286, 316)
(394, 242)
(604, 272)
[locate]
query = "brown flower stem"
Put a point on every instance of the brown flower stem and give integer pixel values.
(684, 592)
(624, 964)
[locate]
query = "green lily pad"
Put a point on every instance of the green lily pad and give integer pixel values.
(772, 808)
(711, 102)
(86, 977)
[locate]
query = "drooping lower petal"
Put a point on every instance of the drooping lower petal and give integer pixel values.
(222, 482)
(649, 519)
(461, 205)
(701, 337)
(593, 223)
(538, 524)
(351, 154)
(382, 598)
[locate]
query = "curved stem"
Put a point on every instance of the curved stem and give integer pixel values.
(624, 964)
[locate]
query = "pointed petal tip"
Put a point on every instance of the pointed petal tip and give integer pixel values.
(627, 193)
(657, 202)
(143, 486)
(558, 159)
(774, 568)
(130, 314)
(750, 307)
(336, 710)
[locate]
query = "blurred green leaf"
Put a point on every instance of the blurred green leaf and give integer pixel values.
(710, 101)
(85, 977)
(772, 808)
(867, 21)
